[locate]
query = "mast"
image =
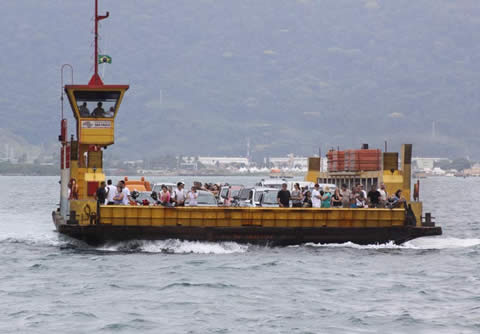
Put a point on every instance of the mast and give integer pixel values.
(96, 80)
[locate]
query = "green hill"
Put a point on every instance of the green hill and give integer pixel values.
(290, 75)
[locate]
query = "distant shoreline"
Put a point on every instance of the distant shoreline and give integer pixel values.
(11, 169)
(200, 174)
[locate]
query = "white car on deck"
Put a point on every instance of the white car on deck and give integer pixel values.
(251, 197)
(205, 198)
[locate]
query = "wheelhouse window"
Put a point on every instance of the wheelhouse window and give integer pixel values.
(97, 104)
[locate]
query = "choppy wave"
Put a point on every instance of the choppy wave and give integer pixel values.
(423, 243)
(34, 240)
(175, 246)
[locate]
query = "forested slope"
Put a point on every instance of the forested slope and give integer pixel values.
(291, 75)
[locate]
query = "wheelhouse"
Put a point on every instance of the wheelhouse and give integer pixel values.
(95, 109)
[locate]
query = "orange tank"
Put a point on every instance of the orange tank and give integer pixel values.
(138, 185)
(336, 161)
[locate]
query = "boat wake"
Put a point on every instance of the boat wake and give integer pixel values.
(51, 240)
(424, 243)
(175, 246)
(442, 243)
(170, 246)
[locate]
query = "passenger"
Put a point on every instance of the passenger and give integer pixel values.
(337, 199)
(127, 198)
(215, 190)
(84, 112)
(72, 189)
(170, 190)
(122, 196)
(383, 195)
(164, 196)
(360, 188)
(316, 197)
(374, 197)
(307, 201)
(397, 200)
(283, 197)
(198, 185)
(346, 196)
(326, 198)
(101, 193)
(111, 112)
(354, 197)
(361, 201)
(98, 111)
(192, 196)
(179, 194)
(297, 196)
(118, 198)
(110, 192)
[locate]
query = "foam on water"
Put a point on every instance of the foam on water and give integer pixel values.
(441, 243)
(42, 239)
(422, 243)
(176, 246)
(389, 245)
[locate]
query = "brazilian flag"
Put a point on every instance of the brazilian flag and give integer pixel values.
(104, 59)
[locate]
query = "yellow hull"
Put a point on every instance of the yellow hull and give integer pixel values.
(273, 226)
(261, 217)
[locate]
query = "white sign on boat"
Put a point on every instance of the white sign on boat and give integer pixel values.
(96, 124)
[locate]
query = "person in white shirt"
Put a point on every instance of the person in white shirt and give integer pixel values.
(178, 195)
(111, 192)
(383, 195)
(192, 197)
(126, 195)
(316, 197)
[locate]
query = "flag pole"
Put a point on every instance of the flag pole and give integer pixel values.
(95, 78)
(95, 55)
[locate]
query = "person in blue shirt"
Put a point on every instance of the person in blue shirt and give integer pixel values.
(326, 198)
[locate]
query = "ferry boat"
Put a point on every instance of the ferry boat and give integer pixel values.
(81, 169)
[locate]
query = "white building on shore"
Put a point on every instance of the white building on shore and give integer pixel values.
(290, 162)
(426, 163)
(223, 161)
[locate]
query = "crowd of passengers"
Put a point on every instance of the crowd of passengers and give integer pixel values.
(108, 194)
(356, 197)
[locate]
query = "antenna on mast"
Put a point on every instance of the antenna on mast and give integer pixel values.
(96, 80)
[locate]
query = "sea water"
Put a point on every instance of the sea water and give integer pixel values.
(53, 284)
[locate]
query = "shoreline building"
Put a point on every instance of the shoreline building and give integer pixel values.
(426, 164)
(288, 162)
(224, 161)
